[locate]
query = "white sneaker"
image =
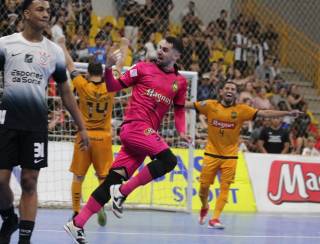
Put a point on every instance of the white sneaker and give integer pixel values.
(117, 200)
(76, 233)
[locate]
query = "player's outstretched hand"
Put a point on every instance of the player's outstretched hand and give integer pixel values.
(116, 55)
(296, 113)
(84, 140)
(186, 138)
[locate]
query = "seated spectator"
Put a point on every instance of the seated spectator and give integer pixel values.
(261, 101)
(274, 139)
(295, 99)
(247, 93)
(310, 149)
(263, 72)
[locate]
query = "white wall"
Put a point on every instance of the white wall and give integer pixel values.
(207, 9)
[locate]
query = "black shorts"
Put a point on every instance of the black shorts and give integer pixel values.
(29, 149)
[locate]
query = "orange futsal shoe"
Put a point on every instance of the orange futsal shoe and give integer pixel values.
(203, 215)
(215, 224)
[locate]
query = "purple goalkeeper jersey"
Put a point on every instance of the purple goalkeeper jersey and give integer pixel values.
(153, 93)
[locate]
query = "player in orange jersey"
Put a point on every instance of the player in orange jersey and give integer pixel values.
(95, 104)
(225, 119)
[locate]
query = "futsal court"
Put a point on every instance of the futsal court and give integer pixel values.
(155, 227)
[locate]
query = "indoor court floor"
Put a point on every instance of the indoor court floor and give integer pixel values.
(157, 227)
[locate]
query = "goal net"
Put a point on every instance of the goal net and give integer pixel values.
(171, 192)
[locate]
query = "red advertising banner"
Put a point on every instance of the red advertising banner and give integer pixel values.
(294, 182)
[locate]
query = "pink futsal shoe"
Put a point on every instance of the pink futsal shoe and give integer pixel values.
(203, 215)
(215, 224)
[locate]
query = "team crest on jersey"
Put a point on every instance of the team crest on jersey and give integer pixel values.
(28, 58)
(43, 58)
(234, 115)
(175, 86)
(149, 131)
(116, 73)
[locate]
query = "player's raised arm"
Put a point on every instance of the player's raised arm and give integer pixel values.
(189, 105)
(69, 60)
(115, 57)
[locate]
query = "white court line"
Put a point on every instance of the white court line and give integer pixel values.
(182, 234)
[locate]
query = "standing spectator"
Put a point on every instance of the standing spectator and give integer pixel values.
(222, 23)
(186, 55)
(131, 28)
(98, 52)
(164, 8)
(241, 46)
(274, 139)
(151, 48)
(149, 20)
(57, 29)
(263, 71)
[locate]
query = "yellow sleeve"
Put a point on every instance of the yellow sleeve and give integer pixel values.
(78, 81)
(202, 107)
(247, 112)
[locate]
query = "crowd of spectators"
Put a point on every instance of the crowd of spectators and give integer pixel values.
(238, 49)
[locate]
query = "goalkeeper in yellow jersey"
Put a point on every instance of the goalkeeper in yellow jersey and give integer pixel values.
(225, 119)
(95, 104)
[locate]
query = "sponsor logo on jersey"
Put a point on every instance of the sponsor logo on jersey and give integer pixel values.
(294, 182)
(159, 97)
(234, 115)
(15, 54)
(28, 58)
(26, 77)
(175, 86)
(222, 124)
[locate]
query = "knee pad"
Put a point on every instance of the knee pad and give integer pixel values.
(102, 194)
(165, 162)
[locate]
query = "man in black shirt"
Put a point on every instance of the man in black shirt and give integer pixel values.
(274, 139)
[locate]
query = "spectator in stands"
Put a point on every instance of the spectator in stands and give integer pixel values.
(186, 55)
(120, 5)
(149, 21)
(98, 52)
(164, 8)
(259, 50)
(274, 139)
(202, 51)
(271, 37)
(8, 17)
(140, 53)
(241, 43)
(205, 88)
(57, 28)
(247, 94)
(191, 24)
(190, 9)
(294, 98)
(261, 101)
(263, 71)
(82, 10)
(300, 130)
(222, 23)
(131, 21)
(151, 47)
(310, 149)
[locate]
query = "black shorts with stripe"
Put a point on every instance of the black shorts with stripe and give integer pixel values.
(29, 149)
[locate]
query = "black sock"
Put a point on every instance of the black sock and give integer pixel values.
(6, 213)
(25, 229)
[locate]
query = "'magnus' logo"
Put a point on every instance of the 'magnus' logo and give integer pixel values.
(159, 97)
(294, 182)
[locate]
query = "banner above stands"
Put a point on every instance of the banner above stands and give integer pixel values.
(285, 183)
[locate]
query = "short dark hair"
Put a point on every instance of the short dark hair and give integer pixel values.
(26, 3)
(176, 43)
(230, 82)
(95, 68)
